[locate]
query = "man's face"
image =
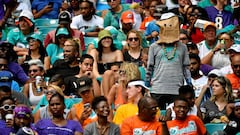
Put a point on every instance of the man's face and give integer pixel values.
(126, 27)
(22, 122)
(193, 50)
(236, 64)
(87, 95)
(132, 92)
(86, 65)
(85, 9)
(4, 94)
(69, 53)
(3, 64)
(194, 67)
(151, 110)
(181, 109)
(23, 25)
(210, 33)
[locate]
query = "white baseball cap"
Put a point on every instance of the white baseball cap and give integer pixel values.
(235, 47)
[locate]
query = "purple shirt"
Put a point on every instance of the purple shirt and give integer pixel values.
(45, 127)
(220, 18)
(2, 3)
(5, 130)
(131, 1)
(18, 73)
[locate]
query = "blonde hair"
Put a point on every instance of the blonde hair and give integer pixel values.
(226, 85)
(132, 71)
(76, 44)
(57, 88)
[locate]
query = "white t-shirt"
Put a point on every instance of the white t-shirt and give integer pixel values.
(79, 23)
(192, 111)
(203, 50)
(220, 60)
(198, 84)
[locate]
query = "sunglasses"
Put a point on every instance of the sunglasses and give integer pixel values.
(135, 39)
(3, 65)
(236, 66)
(49, 92)
(110, 0)
(34, 71)
(183, 38)
(195, 14)
(8, 107)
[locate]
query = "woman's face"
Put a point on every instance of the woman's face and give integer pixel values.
(49, 92)
(102, 109)
(33, 44)
(133, 40)
(7, 107)
(106, 42)
(56, 106)
(193, 16)
(62, 39)
(218, 89)
(122, 75)
(34, 71)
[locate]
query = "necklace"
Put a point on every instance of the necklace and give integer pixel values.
(169, 55)
(102, 129)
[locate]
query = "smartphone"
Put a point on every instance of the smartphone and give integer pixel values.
(50, 4)
(87, 105)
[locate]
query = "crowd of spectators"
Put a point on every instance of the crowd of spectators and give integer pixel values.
(136, 67)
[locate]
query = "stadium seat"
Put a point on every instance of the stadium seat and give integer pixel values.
(213, 127)
(163, 112)
(46, 23)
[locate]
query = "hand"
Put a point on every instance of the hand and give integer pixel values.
(154, 34)
(217, 48)
(162, 118)
(47, 8)
(86, 113)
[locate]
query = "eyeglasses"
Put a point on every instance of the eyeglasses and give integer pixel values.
(135, 39)
(32, 40)
(34, 71)
(3, 65)
(8, 107)
(155, 108)
(236, 66)
(183, 38)
(110, 0)
(195, 14)
(49, 92)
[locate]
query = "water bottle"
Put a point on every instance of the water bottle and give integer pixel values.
(223, 47)
(38, 80)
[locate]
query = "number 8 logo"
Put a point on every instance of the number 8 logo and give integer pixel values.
(218, 22)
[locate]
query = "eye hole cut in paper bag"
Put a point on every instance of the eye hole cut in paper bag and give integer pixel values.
(169, 30)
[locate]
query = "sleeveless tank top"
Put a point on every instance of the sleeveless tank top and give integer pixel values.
(32, 98)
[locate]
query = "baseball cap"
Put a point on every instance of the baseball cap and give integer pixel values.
(62, 31)
(36, 36)
(27, 16)
(22, 112)
(138, 82)
(215, 73)
(167, 15)
(102, 34)
(127, 17)
(235, 48)
(237, 104)
(208, 24)
(6, 78)
(82, 84)
(191, 44)
(64, 17)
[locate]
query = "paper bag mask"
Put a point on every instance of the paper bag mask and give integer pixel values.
(169, 30)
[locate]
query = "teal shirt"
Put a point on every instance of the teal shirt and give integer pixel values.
(69, 102)
(207, 3)
(111, 19)
(54, 52)
(16, 37)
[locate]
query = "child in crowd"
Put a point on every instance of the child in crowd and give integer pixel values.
(185, 124)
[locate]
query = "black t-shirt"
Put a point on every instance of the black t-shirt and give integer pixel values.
(70, 87)
(62, 68)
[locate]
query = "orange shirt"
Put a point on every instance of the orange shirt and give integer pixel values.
(133, 125)
(192, 125)
(145, 21)
(119, 99)
(235, 81)
(79, 110)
